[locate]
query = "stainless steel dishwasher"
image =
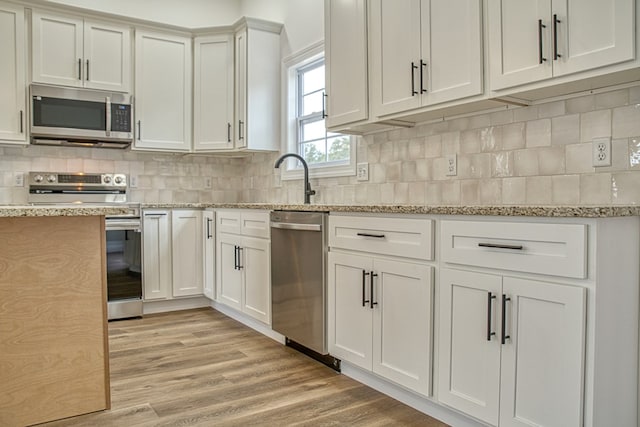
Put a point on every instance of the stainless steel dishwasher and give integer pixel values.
(298, 282)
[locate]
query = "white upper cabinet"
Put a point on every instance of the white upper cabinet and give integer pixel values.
(424, 52)
(532, 40)
(213, 93)
(257, 83)
(74, 52)
(162, 92)
(12, 75)
(346, 62)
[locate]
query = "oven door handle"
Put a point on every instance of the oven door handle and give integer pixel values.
(112, 225)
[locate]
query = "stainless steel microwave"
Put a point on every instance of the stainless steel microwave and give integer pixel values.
(80, 117)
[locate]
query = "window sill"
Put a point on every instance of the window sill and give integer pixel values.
(319, 172)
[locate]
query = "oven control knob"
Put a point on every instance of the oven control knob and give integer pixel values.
(107, 179)
(118, 179)
(51, 178)
(38, 178)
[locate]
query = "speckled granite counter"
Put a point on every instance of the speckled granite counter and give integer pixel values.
(60, 210)
(533, 211)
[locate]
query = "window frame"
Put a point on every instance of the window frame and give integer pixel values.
(291, 123)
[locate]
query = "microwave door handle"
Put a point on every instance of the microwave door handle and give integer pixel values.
(108, 113)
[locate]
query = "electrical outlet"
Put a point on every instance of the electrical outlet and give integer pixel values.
(207, 182)
(601, 152)
(362, 171)
(452, 165)
(133, 181)
(18, 179)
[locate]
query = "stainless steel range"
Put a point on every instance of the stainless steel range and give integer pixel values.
(123, 232)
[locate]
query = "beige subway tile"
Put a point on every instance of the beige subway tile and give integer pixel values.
(491, 138)
(551, 161)
(450, 192)
(401, 150)
(417, 193)
(450, 143)
(408, 171)
(580, 104)
(377, 173)
(386, 193)
(514, 191)
(439, 169)
(502, 117)
(524, 114)
(538, 133)
(626, 121)
(394, 170)
(551, 109)
(401, 193)
(373, 153)
(433, 146)
(470, 141)
(460, 124)
(474, 166)
(619, 156)
(525, 163)
(433, 193)
(502, 164)
(423, 169)
(539, 190)
(634, 153)
(386, 152)
(380, 137)
(373, 193)
(490, 191)
(416, 148)
(513, 136)
(479, 121)
(566, 189)
(626, 188)
(634, 95)
(612, 99)
(579, 158)
(469, 192)
(402, 134)
(565, 129)
(595, 189)
(595, 124)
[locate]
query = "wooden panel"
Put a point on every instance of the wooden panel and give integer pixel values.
(53, 321)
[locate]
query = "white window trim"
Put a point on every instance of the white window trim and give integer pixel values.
(291, 170)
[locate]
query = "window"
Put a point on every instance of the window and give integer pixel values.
(327, 153)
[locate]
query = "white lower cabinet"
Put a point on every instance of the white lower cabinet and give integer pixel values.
(243, 264)
(380, 316)
(172, 253)
(511, 351)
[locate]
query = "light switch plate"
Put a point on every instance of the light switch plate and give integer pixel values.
(452, 165)
(133, 181)
(18, 179)
(362, 171)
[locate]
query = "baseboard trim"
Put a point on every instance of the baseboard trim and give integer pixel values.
(163, 306)
(248, 321)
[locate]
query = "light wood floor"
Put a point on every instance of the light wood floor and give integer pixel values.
(199, 367)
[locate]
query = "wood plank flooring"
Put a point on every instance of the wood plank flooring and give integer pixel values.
(201, 368)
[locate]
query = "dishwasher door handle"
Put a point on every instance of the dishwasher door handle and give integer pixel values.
(294, 226)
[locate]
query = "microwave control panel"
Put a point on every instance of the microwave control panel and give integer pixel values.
(121, 118)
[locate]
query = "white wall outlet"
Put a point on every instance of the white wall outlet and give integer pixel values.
(133, 181)
(18, 179)
(452, 165)
(362, 171)
(601, 152)
(207, 182)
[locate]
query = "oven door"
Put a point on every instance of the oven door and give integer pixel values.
(124, 268)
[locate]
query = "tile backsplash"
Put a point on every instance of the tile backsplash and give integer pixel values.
(537, 155)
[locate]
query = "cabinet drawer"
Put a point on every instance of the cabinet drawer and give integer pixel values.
(411, 238)
(228, 222)
(255, 224)
(553, 249)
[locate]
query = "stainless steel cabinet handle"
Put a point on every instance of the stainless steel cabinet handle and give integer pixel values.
(377, 236)
(324, 109)
(490, 298)
(235, 258)
(541, 58)
(504, 336)
(21, 121)
(240, 123)
(413, 78)
(155, 214)
(500, 246)
(556, 21)
(87, 76)
(293, 226)
(372, 303)
(240, 252)
(423, 66)
(364, 285)
(228, 132)
(79, 68)
(209, 235)
(139, 130)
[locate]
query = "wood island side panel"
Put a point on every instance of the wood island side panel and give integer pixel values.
(53, 323)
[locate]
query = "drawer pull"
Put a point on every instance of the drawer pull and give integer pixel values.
(490, 333)
(377, 236)
(500, 246)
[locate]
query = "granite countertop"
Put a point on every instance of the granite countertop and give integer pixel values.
(7, 211)
(533, 211)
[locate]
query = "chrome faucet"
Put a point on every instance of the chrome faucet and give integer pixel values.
(308, 192)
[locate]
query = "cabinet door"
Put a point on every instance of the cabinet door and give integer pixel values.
(256, 265)
(350, 315)
(469, 358)
(395, 55)
(346, 61)
(213, 93)
(12, 69)
(543, 360)
(186, 227)
(209, 258)
(163, 92)
(107, 56)
(57, 49)
(228, 276)
(593, 33)
(241, 90)
(402, 323)
(453, 67)
(519, 50)
(156, 230)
